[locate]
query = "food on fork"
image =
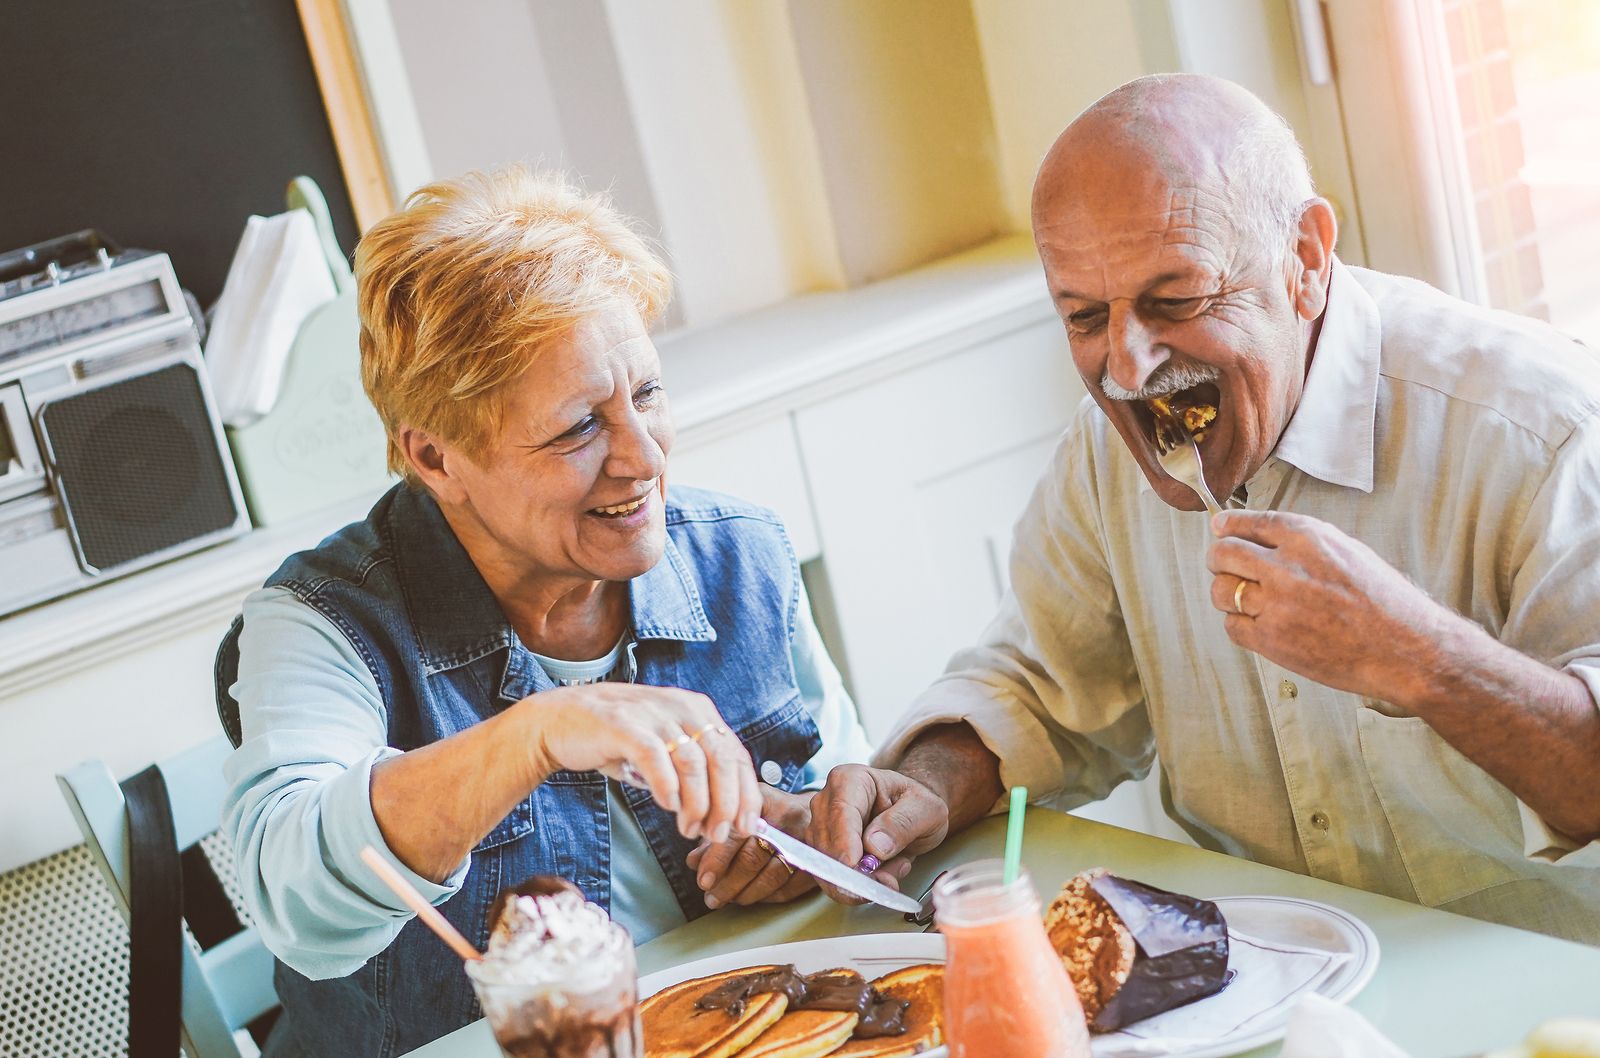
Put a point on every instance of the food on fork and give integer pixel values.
(1179, 416)
(1134, 951)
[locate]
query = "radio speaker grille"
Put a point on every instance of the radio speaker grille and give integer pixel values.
(138, 466)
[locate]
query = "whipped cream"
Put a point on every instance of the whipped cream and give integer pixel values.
(554, 939)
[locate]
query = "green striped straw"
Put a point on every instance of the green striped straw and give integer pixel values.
(1019, 806)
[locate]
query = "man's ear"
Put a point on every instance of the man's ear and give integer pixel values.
(1313, 250)
(432, 462)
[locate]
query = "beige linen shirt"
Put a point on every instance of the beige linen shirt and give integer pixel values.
(1463, 446)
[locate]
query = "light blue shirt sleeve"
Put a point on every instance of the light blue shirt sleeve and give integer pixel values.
(844, 741)
(299, 809)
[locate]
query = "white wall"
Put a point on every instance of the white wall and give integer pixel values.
(1045, 61)
(729, 150)
(905, 129)
(1048, 59)
(774, 148)
(480, 83)
(127, 711)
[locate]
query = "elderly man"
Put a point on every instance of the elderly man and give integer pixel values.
(1381, 666)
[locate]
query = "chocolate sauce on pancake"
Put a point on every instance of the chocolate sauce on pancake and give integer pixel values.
(733, 995)
(877, 1014)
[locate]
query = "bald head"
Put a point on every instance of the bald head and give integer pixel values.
(1202, 134)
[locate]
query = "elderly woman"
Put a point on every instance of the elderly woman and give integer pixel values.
(461, 679)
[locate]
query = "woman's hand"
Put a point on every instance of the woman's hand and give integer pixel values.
(675, 739)
(745, 871)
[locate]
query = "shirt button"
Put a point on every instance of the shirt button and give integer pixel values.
(1320, 820)
(1287, 689)
(771, 772)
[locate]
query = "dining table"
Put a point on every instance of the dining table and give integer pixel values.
(1446, 986)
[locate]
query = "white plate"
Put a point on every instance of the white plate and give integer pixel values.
(1271, 918)
(1314, 925)
(1304, 923)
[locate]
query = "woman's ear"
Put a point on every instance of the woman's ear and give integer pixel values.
(433, 463)
(1313, 250)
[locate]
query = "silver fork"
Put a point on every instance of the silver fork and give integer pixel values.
(1182, 461)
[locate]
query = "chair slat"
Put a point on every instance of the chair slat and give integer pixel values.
(194, 778)
(240, 972)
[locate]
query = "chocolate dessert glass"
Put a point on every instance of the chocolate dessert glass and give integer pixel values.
(591, 1014)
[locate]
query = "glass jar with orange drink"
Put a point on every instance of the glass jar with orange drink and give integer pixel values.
(1005, 990)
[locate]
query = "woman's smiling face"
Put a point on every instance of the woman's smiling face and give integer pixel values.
(573, 484)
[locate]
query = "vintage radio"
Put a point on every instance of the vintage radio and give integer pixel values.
(111, 455)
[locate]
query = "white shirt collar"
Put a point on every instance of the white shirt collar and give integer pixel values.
(1331, 434)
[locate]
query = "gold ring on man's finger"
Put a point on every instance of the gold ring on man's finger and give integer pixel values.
(767, 847)
(708, 729)
(1238, 598)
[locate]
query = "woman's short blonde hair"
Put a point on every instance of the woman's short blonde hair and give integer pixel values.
(460, 289)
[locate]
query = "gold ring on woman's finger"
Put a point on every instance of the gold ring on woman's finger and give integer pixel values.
(678, 743)
(708, 729)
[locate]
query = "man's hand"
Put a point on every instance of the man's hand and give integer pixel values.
(888, 814)
(1320, 602)
(744, 871)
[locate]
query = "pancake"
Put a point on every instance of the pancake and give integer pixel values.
(807, 1033)
(675, 1027)
(923, 987)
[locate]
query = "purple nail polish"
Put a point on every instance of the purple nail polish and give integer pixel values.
(868, 864)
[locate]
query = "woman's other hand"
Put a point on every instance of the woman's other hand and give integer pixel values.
(695, 767)
(745, 870)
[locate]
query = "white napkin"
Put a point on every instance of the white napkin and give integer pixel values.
(278, 277)
(1268, 977)
(1321, 1028)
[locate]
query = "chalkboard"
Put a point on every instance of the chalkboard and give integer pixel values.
(164, 123)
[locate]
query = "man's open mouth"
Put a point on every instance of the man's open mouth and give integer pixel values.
(621, 510)
(1171, 420)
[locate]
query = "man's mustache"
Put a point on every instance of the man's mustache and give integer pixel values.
(1169, 378)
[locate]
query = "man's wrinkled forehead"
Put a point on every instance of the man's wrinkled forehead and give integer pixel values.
(1088, 247)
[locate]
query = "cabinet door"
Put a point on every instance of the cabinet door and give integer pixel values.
(760, 463)
(916, 481)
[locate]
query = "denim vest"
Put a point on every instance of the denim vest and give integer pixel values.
(716, 615)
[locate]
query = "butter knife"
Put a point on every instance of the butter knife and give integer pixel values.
(798, 854)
